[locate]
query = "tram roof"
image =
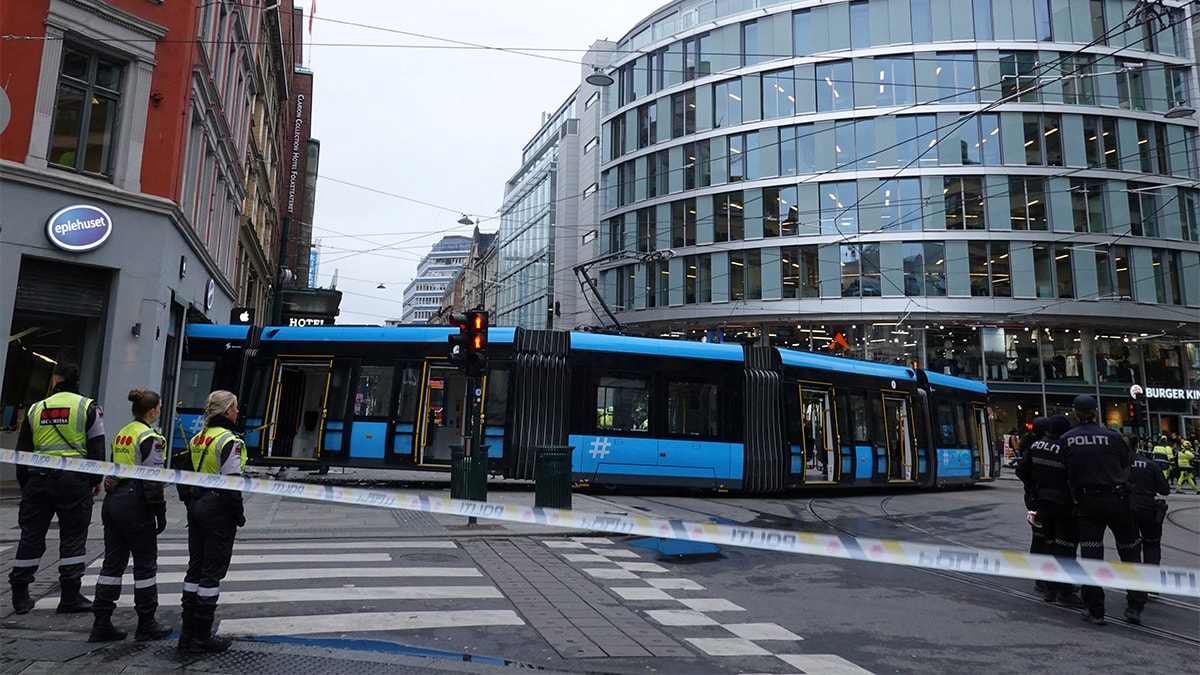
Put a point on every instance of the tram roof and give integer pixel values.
(940, 380)
(599, 342)
(801, 359)
(373, 334)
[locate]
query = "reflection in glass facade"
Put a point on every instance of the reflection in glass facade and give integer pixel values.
(988, 188)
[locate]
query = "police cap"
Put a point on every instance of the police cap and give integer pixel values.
(1041, 425)
(1059, 424)
(1084, 402)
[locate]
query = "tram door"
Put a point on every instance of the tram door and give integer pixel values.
(297, 408)
(821, 461)
(983, 441)
(443, 407)
(902, 450)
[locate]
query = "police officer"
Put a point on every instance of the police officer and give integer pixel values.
(1097, 462)
(134, 514)
(1042, 470)
(213, 519)
(1149, 511)
(69, 425)
(1037, 540)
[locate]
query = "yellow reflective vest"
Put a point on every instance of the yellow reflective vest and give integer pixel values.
(126, 446)
(59, 424)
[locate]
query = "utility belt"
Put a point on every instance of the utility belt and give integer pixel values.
(114, 486)
(52, 474)
(1098, 490)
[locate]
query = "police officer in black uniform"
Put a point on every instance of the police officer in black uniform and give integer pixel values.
(65, 424)
(1045, 475)
(1037, 539)
(1149, 511)
(1097, 467)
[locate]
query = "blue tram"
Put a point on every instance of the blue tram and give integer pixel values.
(638, 411)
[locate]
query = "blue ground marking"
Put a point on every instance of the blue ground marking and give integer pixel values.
(383, 647)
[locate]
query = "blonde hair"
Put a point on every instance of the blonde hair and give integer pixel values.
(218, 402)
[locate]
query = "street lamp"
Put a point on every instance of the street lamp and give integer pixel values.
(598, 78)
(465, 220)
(1179, 110)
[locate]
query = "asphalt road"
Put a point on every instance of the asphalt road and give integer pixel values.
(347, 595)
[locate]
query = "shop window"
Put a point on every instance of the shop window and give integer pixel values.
(954, 351)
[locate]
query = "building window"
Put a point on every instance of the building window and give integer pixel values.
(744, 160)
(860, 25)
(727, 103)
(839, 207)
(1087, 205)
(896, 84)
(1027, 203)
(1063, 275)
(989, 269)
(1190, 219)
(956, 77)
(1043, 270)
(900, 206)
(917, 136)
(590, 190)
(1143, 210)
(591, 144)
(1152, 152)
(860, 270)
(800, 272)
(591, 100)
(835, 86)
(778, 94)
(1043, 140)
(647, 234)
(683, 223)
(1018, 79)
(781, 212)
(647, 124)
(964, 203)
(802, 44)
(85, 112)
(922, 25)
(683, 113)
(616, 137)
(728, 220)
(1077, 80)
(1130, 91)
(983, 20)
(1043, 30)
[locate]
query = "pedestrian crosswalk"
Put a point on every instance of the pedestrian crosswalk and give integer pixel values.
(709, 624)
(335, 587)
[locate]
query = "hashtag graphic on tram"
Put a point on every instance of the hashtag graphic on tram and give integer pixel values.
(599, 448)
(197, 425)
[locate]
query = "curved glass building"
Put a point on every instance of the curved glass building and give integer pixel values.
(1004, 190)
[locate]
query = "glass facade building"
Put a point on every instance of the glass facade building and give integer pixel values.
(435, 273)
(1005, 190)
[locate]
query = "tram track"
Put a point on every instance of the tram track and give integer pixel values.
(999, 587)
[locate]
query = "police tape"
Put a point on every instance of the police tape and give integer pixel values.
(1118, 575)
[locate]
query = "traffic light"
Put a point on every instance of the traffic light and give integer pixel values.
(468, 347)
(1133, 413)
(460, 342)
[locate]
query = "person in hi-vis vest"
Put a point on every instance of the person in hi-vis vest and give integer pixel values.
(213, 518)
(69, 425)
(134, 514)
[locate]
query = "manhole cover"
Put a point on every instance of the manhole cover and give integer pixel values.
(429, 557)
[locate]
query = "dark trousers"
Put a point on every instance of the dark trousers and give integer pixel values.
(128, 529)
(1150, 528)
(1097, 511)
(45, 495)
(211, 530)
(1060, 531)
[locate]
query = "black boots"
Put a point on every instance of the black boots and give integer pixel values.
(150, 629)
(21, 601)
(72, 601)
(104, 631)
(185, 631)
(202, 640)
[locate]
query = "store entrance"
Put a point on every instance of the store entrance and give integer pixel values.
(36, 343)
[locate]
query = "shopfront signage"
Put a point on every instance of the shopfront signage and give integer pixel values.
(1179, 394)
(79, 228)
(210, 294)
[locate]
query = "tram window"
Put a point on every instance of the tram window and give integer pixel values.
(951, 431)
(195, 382)
(409, 396)
(622, 404)
(373, 391)
(693, 409)
(860, 419)
(495, 402)
(258, 385)
(335, 401)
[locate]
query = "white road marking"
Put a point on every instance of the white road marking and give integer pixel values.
(642, 567)
(366, 622)
(316, 546)
(825, 664)
(361, 593)
(168, 578)
(584, 557)
(711, 605)
(640, 593)
(675, 584)
(728, 647)
(760, 631)
(616, 553)
(558, 543)
(605, 573)
(267, 559)
(592, 540)
(681, 617)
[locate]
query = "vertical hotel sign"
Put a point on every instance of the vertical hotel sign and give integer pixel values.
(299, 136)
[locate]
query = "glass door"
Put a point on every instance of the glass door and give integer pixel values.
(821, 461)
(443, 407)
(901, 447)
(983, 441)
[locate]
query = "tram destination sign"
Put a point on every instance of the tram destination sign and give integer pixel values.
(79, 228)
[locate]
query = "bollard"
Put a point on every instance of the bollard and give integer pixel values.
(552, 476)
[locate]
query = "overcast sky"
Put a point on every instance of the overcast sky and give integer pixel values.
(432, 122)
